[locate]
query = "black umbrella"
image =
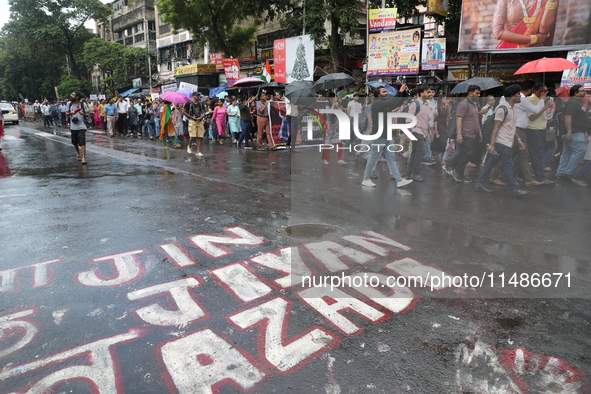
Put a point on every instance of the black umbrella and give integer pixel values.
(300, 92)
(273, 85)
(137, 95)
(484, 83)
(334, 81)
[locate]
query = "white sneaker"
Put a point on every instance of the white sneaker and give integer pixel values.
(368, 183)
(403, 182)
(189, 150)
(198, 154)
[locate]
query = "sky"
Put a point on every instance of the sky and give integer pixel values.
(5, 14)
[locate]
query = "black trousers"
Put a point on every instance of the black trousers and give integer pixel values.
(465, 153)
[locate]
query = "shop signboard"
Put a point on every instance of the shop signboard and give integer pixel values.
(382, 19)
(216, 58)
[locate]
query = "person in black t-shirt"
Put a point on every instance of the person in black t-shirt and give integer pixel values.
(577, 124)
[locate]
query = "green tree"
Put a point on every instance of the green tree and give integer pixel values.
(28, 69)
(69, 84)
(58, 25)
(213, 21)
(115, 60)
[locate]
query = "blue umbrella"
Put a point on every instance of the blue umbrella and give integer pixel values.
(376, 84)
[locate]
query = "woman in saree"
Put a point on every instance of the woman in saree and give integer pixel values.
(167, 125)
(524, 23)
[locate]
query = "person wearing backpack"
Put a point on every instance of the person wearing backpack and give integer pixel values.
(467, 130)
(78, 111)
(501, 141)
(419, 108)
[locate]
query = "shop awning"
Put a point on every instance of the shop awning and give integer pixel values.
(130, 91)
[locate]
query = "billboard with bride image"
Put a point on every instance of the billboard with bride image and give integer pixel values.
(294, 59)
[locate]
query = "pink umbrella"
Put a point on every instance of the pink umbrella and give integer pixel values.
(174, 97)
(248, 82)
(546, 64)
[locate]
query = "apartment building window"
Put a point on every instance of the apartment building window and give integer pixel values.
(129, 41)
(139, 27)
(164, 29)
(151, 25)
(139, 37)
(118, 35)
(152, 36)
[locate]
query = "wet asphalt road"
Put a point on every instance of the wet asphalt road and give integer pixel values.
(93, 319)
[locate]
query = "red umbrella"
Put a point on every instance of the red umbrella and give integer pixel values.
(546, 64)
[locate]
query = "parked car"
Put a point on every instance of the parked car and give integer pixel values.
(12, 115)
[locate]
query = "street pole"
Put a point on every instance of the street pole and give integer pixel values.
(148, 52)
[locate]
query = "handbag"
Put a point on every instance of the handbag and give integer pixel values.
(550, 135)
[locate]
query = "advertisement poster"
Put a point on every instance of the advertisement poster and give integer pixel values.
(294, 59)
(382, 19)
(580, 75)
(394, 53)
(279, 60)
(544, 25)
(433, 54)
(168, 88)
(216, 58)
(231, 70)
(188, 86)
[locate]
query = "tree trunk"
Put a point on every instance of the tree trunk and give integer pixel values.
(336, 44)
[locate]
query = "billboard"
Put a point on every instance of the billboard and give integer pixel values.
(216, 58)
(382, 19)
(433, 54)
(580, 75)
(438, 7)
(294, 59)
(231, 70)
(394, 53)
(524, 26)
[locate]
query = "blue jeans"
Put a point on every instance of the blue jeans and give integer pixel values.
(157, 126)
(151, 129)
(550, 149)
(586, 168)
(427, 156)
(245, 136)
(505, 157)
(378, 148)
(535, 147)
(573, 152)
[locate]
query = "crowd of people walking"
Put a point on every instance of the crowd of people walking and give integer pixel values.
(513, 136)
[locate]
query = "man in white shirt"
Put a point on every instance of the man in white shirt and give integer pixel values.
(122, 114)
(63, 108)
(354, 108)
(525, 111)
(46, 111)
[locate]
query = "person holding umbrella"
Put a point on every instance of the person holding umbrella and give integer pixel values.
(167, 125)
